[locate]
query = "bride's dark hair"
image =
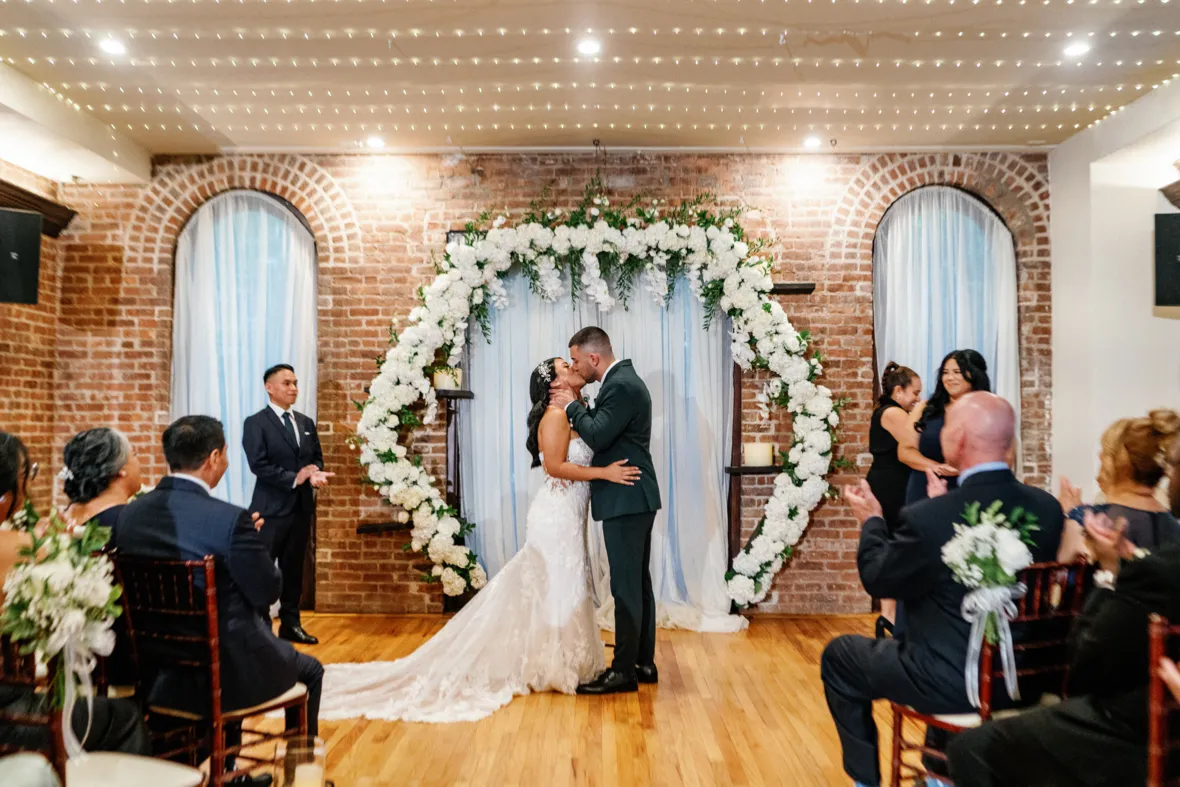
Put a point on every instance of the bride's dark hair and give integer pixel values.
(542, 377)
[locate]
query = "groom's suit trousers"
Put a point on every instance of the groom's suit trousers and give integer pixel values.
(628, 548)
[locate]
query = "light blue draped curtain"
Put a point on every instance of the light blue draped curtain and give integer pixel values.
(245, 299)
(944, 278)
(688, 371)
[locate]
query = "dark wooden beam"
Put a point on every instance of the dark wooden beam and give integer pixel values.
(380, 528)
(54, 216)
(1172, 192)
(793, 288)
(753, 470)
(452, 393)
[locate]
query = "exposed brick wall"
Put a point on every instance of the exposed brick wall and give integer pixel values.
(378, 219)
(28, 351)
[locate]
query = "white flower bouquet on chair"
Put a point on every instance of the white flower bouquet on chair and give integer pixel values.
(61, 600)
(988, 551)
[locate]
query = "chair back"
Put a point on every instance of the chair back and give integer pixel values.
(171, 611)
(1054, 597)
(19, 671)
(1162, 742)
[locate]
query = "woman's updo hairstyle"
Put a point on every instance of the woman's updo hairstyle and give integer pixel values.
(539, 382)
(1138, 449)
(895, 376)
(91, 461)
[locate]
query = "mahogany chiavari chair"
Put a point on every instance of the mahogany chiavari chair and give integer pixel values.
(20, 672)
(1162, 742)
(171, 609)
(1054, 598)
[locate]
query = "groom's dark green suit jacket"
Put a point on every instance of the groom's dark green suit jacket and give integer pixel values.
(619, 427)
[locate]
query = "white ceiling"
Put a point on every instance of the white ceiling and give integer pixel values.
(208, 75)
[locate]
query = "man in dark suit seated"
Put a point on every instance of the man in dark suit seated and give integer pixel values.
(283, 449)
(181, 520)
(925, 670)
(1097, 737)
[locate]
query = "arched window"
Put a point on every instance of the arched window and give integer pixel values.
(944, 278)
(245, 299)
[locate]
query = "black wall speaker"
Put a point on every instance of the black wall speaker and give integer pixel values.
(20, 255)
(1167, 259)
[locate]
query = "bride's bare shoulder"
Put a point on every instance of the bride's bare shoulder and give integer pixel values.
(553, 416)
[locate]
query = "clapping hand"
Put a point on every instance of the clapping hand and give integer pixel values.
(935, 484)
(258, 521)
(320, 478)
(560, 397)
(863, 502)
(305, 473)
(1069, 495)
(1107, 540)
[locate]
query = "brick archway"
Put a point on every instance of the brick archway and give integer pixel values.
(1018, 190)
(179, 189)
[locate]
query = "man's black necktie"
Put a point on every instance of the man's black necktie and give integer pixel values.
(290, 427)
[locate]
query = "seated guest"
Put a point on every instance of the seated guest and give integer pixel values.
(115, 724)
(1097, 737)
(925, 670)
(100, 473)
(181, 520)
(1129, 476)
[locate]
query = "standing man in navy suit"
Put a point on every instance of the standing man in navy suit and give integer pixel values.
(283, 449)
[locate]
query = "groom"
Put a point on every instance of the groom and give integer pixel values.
(619, 427)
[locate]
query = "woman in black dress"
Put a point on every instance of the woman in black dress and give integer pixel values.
(961, 372)
(99, 474)
(901, 388)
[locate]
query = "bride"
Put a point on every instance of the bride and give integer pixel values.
(531, 628)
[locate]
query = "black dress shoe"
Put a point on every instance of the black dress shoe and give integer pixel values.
(246, 780)
(297, 635)
(610, 682)
(647, 673)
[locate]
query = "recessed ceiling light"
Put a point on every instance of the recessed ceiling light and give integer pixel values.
(589, 46)
(112, 46)
(376, 143)
(1077, 49)
(812, 142)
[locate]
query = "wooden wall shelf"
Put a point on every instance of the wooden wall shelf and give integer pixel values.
(379, 528)
(754, 470)
(54, 216)
(452, 393)
(793, 288)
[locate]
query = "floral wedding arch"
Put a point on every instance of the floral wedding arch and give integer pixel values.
(600, 253)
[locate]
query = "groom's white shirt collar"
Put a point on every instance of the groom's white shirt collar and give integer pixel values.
(280, 412)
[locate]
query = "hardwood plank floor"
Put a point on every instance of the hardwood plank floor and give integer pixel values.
(730, 709)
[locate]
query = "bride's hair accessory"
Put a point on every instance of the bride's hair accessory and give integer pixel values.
(66, 474)
(545, 372)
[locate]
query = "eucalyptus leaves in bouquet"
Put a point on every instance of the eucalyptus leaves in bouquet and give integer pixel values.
(61, 600)
(989, 550)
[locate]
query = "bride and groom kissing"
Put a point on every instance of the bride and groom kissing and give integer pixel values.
(532, 628)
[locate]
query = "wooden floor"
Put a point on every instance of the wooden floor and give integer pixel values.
(730, 709)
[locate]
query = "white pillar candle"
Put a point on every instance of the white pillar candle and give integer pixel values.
(444, 380)
(757, 454)
(309, 774)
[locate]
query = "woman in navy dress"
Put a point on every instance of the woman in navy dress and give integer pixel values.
(961, 372)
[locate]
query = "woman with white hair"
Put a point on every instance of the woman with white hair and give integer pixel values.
(100, 473)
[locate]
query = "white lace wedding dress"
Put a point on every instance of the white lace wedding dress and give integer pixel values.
(530, 629)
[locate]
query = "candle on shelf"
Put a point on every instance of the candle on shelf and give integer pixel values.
(309, 774)
(757, 454)
(446, 379)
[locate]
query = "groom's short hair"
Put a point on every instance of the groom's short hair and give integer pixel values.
(592, 339)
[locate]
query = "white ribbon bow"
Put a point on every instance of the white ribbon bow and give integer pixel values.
(978, 606)
(76, 665)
